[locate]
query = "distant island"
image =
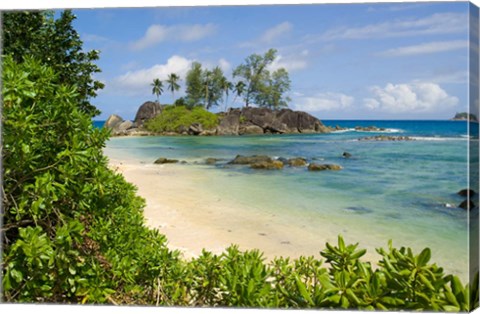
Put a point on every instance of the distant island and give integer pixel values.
(465, 116)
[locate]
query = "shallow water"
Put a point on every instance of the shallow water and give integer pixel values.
(386, 190)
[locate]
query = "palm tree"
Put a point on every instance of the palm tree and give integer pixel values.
(239, 89)
(173, 85)
(226, 87)
(157, 88)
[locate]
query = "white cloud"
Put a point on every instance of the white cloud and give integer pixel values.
(290, 63)
(275, 32)
(224, 65)
(185, 33)
(138, 81)
(413, 98)
(324, 102)
(439, 23)
(142, 78)
(426, 48)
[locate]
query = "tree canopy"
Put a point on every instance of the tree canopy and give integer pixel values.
(262, 87)
(55, 43)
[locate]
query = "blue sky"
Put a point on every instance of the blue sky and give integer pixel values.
(346, 61)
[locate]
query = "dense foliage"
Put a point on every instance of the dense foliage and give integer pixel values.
(176, 118)
(56, 43)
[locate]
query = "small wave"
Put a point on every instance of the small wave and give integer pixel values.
(366, 131)
(439, 139)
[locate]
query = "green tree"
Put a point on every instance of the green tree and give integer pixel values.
(157, 88)
(239, 89)
(255, 74)
(194, 85)
(173, 86)
(227, 86)
(212, 81)
(56, 43)
(272, 94)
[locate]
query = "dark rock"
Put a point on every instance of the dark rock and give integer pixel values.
(146, 112)
(467, 204)
(248, 160)
(297, 162)
(466, 193)
(163, 160)
(250, 120)
(113, 121)
(195, 129)
(267, 165)
(346, 155)
(229, 123)
(321, 167)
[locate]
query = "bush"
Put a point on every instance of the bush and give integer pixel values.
(174, 118)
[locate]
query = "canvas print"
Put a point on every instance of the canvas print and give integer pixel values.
(320, 156)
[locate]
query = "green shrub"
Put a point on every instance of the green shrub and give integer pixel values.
(174, 118)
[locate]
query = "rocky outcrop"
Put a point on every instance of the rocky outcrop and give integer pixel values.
(249, 120)
(322, 167)
(146, 112)
(195, 129)
(371, 128)
(118, 126)
(113, 121)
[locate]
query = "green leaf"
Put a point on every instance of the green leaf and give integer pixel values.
(424, 257)
(303, 290)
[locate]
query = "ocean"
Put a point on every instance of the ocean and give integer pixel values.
(399, 190)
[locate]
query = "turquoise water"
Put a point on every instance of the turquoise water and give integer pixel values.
(386, 190)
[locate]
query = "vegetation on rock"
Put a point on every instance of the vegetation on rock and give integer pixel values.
(176, 118)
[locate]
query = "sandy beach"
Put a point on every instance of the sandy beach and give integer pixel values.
(194, 218)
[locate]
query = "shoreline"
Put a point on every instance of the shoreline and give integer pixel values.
(183, 205)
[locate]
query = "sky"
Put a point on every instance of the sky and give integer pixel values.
(345, 61)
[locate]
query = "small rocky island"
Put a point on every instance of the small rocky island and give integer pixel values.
(236, 121)
(465, 116)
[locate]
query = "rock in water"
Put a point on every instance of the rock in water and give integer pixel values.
(322, 167)
(346, 155)
(467, 205)
(466, 193)
(267, 165)
(248, 160)
(146, 112)
(163, 160)
(297, 162)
